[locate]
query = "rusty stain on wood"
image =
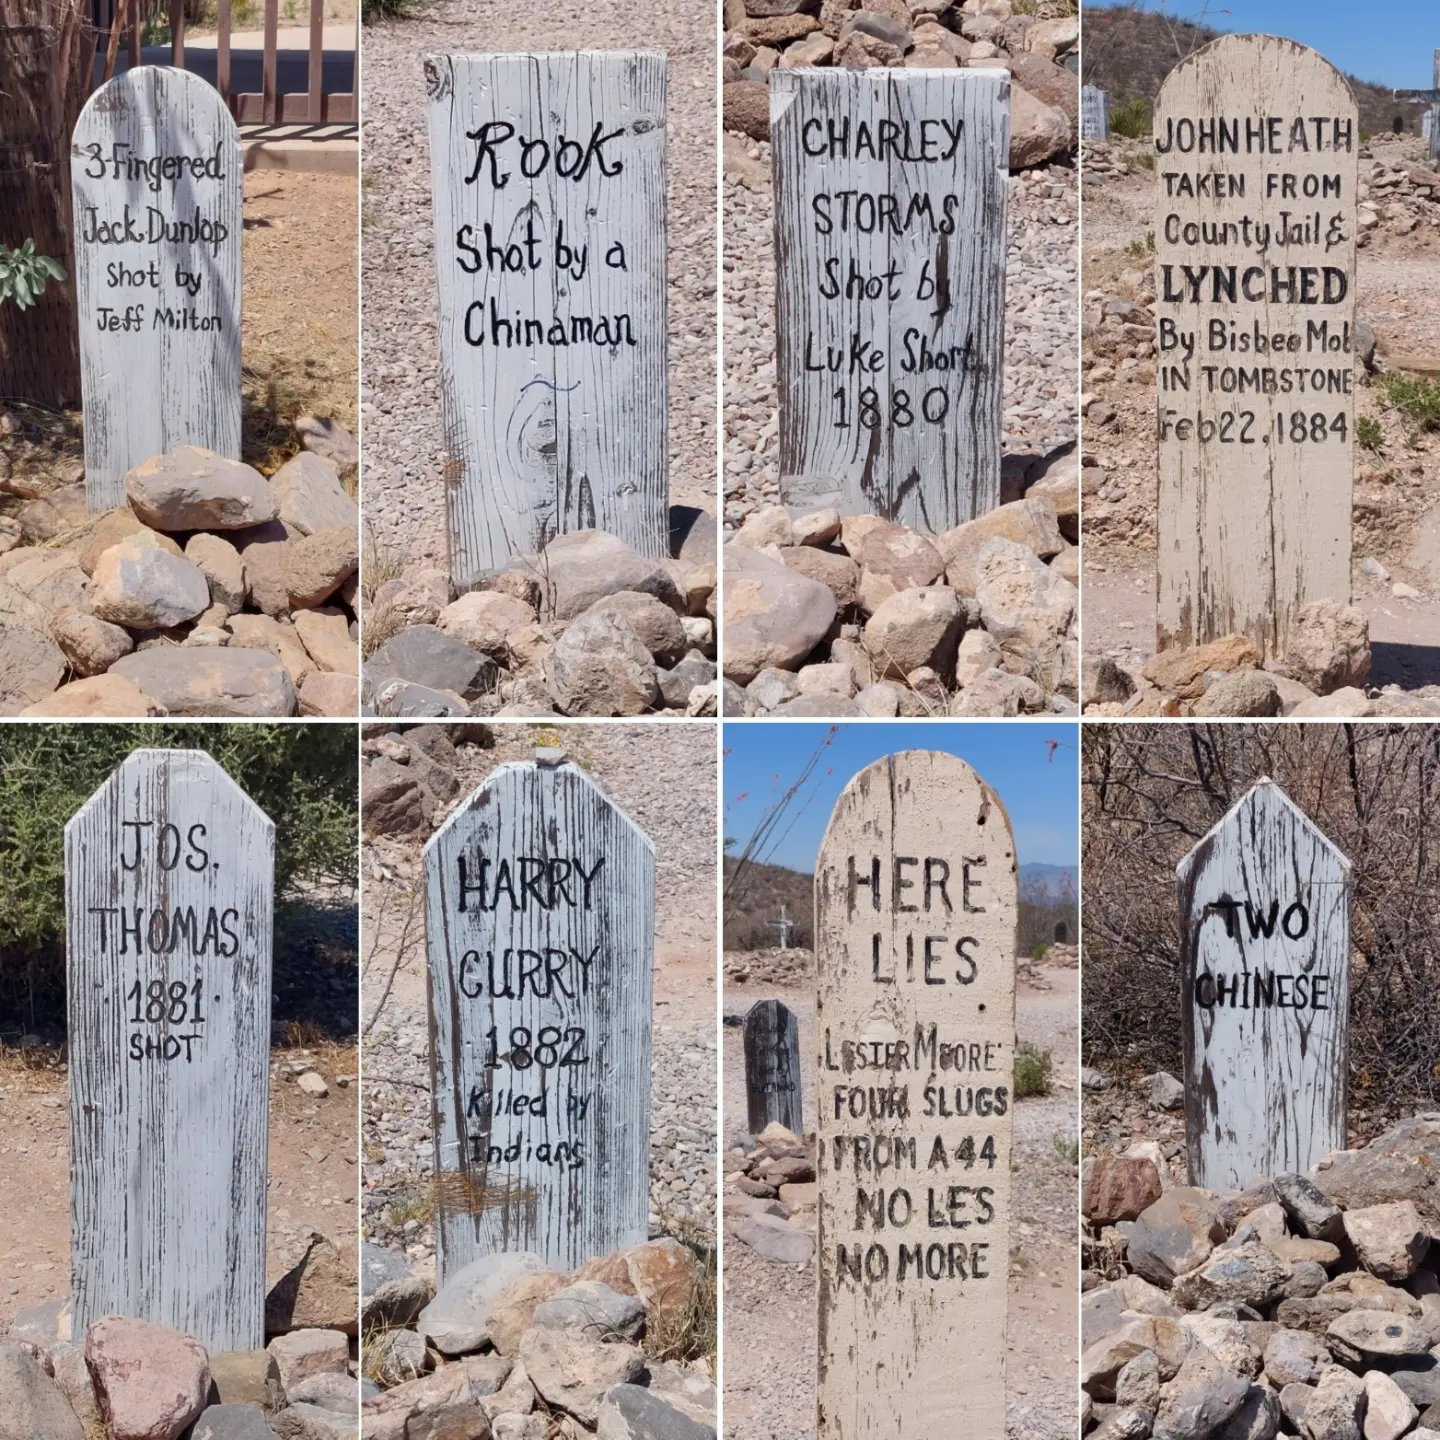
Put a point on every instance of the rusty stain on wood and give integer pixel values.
(916, 906)
(540, 922)
(890, 289)
(549, 207)
(156, 181)
(1265, 993)
(1256, 143)
(169, 900)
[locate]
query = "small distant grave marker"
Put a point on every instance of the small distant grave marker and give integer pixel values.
(1094, 113)
(540, 923)
(1264, 962)
(772, 1067)
(916, 906)
(1430, 121)
(890, 289)
(169, 900)
(549, 205)
(156, 182)
(1256, 141)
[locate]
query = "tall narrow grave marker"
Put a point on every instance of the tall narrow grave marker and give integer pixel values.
(1255, 160)
(549, 203)
(916, 905)
(156, 183)
(169, 899)
(540, 923)
(1094, 113)
(890, 289)
(772, 1067)
(1265, 990)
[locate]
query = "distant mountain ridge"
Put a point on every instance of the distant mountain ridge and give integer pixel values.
(1128, 52)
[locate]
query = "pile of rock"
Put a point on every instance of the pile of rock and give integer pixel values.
(511, 1350)
(831, 617)
(1324, 670)
(127, 1379)
(765, 35)
(1396, 198)
(409, 776)
(769, 967)
(775, 1196)
(212, 591)
(1305, 1305)
(585, 627)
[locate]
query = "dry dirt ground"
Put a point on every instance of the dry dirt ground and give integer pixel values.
(1397, 492)
(664, 779)
(301, 318)
(299, 325)
(769, 1309)
(313, 1184)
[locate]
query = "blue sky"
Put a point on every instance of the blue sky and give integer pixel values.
(1040, 791)
(1385, 42)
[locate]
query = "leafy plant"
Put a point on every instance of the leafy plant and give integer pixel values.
(23, 274)
(1037, 954)
(1142, 249)
(1415, 397)
(1066, 1148)
(1034, 1069)
(1368, 433)
(1131, 118)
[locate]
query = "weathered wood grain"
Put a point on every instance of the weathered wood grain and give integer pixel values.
(1265, 990)
(157, 273)
(554, 432)
(916, 904)
(925, 340)
(169, 1111)
(1254, 520)
(1094, 113)
(540, 991)
(772, 1067)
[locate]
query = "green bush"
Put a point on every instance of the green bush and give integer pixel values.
(1033, 1071)
(23, 274)
(302, 776)
(1368, 433)
(1415, 397)
(1130, 119)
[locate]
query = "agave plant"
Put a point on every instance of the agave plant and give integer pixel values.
(23, 274)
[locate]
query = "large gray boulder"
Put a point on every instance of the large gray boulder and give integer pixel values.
(773, 615)
(194, 489)
(456, 1321)
(225, 682)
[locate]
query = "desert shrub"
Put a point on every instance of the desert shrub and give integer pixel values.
(1368, 434)
(1033, 1071)
(1130, 119)
(1150, 792)
(1415, 397)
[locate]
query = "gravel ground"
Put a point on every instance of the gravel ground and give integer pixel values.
(399, 400)
(769, 1309)
(664, 778)
(1040, 322)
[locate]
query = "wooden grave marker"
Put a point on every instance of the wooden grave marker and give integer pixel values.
(1265, 991)
(1094, 113)
(772, 1067)
(156, 185)
(890, 189)
(549, 207)
(1430, 120)
(916, 904)
(540, 923)
(169, 901)
(1256, 143)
